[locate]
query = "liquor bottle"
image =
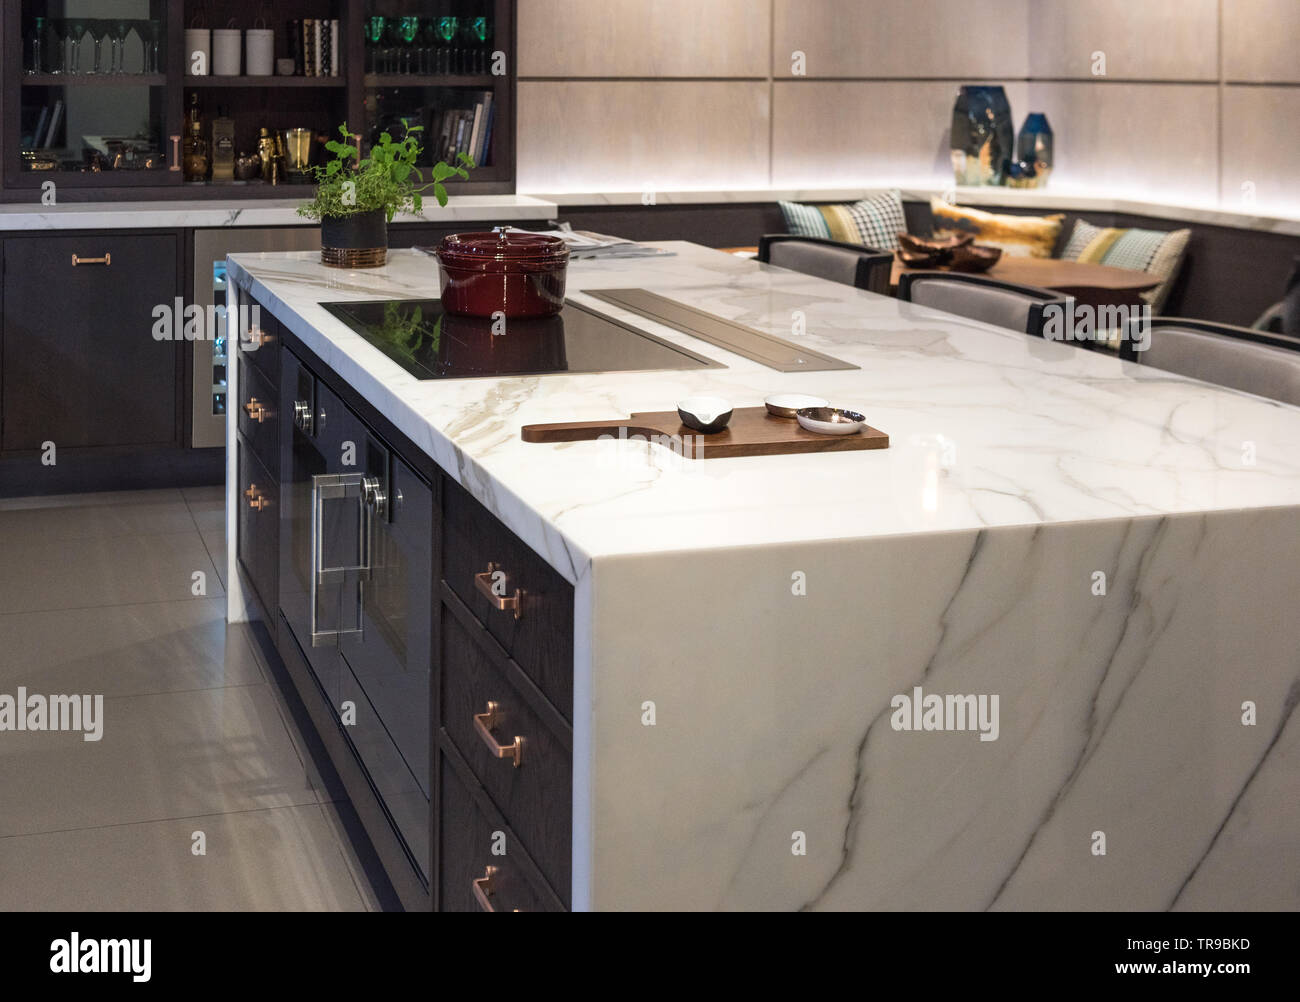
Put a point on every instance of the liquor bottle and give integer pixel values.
(195, 156)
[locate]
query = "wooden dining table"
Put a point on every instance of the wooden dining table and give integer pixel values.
(1089, 284)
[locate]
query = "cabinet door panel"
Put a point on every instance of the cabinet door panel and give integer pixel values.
(535, 795)
(81, 364)
(472, 841)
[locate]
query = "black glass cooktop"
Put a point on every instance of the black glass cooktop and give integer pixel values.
(431, 344)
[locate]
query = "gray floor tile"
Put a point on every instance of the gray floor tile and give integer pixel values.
(95, 498)
(162, 756)
(94, 521)
(110, 570)
(126, 650)
(287, 858)
(199, 495)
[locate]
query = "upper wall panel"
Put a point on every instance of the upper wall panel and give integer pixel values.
(1148, 40)
(947, 39)
(1261, 41)
(644, 38)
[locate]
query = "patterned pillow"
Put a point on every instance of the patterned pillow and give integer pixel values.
(874, 222)
(1022, 236)
(1153, 251)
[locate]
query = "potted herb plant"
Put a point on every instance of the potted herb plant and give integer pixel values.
(357, 197)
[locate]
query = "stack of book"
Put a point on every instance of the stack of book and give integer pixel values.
(314, 44)
(465, 128)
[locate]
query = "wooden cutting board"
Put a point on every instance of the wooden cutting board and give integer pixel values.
(751, 432)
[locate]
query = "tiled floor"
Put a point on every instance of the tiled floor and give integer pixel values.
(97, 597)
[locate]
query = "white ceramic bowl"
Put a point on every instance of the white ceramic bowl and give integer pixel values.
(707, 415)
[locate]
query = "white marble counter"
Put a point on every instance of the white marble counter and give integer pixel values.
(988, 427)
(202, 214)
(1053, 198)
(1108, 557)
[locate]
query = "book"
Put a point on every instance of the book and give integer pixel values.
(334, 47)
(295, 46)
(324, 67)
(316, 27)
(309, 46)
(476, 130)
(56, 119)
(484, 146)
(41, 122)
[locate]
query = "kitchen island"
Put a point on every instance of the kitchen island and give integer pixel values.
(1091, 566)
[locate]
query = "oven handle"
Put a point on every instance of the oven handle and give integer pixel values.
(332, 487)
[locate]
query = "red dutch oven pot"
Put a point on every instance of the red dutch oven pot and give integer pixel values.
(516, 274)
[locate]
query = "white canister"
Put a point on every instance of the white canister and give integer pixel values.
(225, 51)
(259, 52)
(198, 51)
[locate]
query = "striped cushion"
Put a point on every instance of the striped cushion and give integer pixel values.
(874, 222)
(1153, 251)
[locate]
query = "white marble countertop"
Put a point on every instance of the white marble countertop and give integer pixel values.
(1054, 198)
(988, 427)
(201, 214)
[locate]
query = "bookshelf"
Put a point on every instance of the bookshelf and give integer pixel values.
(372, 89)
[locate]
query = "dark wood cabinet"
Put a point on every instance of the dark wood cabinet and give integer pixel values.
(157, 101)
(482, 865)
(518, 747)
(386, 653)
(258, 545)
(518, 596)
(82, 364)
(258, 417)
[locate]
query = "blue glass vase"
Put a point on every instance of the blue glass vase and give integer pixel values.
(1034, 146)
(983, 137)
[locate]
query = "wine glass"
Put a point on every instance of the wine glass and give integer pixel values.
(407, 29)
(99, 30)
(60, 28)
(374, 35)
(477, 33)
(447, 29)
(118, 30)
(149, 32)
(428, 43)
(77, 27)
(38, 43)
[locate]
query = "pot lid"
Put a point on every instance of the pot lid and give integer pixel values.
(502, 245)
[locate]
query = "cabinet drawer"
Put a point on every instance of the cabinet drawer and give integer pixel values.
(259, 338)
(538, 634)
(259, 526)
(468, 836)
(404, 800)
(258, 417)
(483, 691)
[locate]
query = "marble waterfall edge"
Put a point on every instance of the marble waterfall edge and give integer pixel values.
(1122, 775)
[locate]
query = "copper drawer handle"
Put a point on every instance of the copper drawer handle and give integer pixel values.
(503, 603)
(484, 722)
(257, 410)
(483, 889)
(255, 501)
(107, 259)
(256, 339)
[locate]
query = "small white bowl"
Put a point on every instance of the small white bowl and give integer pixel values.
(707, 415)
(785, 404)
(830, 420)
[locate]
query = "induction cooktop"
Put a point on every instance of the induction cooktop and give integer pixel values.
(431, 344)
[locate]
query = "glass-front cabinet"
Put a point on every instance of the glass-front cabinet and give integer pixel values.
(92, 100)
(237, 98)
(437, 64)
